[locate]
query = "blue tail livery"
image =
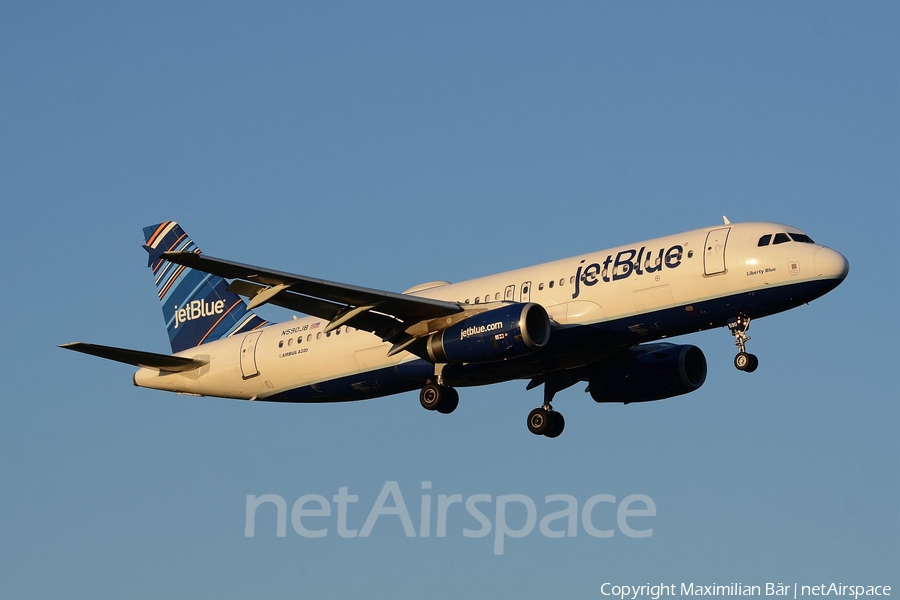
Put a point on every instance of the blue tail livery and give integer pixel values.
(197, 306)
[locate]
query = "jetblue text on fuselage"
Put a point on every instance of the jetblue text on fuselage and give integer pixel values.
(197, 309)
(625, 264)
(470, 331)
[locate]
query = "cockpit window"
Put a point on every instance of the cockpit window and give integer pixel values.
(781, 238)
(802, 237)
(764, 240)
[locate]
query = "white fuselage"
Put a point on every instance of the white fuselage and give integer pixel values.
(608, 299)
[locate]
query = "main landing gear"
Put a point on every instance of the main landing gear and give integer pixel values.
(441, 398)
(541, 421)
(544, 420)
(744, 361)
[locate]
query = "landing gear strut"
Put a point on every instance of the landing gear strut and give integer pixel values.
(744, 361)
(439, 397)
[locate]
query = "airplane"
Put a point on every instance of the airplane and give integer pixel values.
(597, 318)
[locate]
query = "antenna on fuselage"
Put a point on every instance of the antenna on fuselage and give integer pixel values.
(727, 222)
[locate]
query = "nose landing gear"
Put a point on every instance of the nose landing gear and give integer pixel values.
(744, 361)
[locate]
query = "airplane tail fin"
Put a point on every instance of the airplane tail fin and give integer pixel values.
(197, 306)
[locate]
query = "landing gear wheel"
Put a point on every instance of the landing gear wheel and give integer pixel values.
(746, 362)
(438, 397)
(540, 421)
(430, 396)
(557, 427)
(754, 362)
(449, 401)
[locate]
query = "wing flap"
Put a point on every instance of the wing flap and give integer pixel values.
(138, 358)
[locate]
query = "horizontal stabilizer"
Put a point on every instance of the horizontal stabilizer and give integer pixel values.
(163, 362)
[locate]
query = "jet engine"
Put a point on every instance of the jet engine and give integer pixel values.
(649, 372)
(499, 334)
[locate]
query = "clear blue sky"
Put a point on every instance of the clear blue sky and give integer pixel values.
(386, 144)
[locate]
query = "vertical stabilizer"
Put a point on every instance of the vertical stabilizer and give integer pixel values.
(197, 306)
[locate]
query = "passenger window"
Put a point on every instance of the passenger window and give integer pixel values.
(551, 283)
(319, 336)
(477, 300)
(281, 344)
(562, 281)
(309, 338)
(497, 296)
(781, 238)
(300, 340)
(540, 286)
(337, 331)
(290, 341)
(487, 297)
(572, 279)
(764, 240)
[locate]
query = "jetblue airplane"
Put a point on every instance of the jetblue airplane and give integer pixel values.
(596, 318)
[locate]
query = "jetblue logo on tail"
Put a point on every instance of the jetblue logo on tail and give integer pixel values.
(198, 309)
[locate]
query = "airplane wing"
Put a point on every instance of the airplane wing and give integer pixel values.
(163, 362)
(388, 315)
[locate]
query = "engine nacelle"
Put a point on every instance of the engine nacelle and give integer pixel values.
(507, 332)
(650, 372)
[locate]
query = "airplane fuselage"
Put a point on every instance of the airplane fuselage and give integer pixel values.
(599, 303)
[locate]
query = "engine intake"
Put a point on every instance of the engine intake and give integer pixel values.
(650, 372)
(499, 334)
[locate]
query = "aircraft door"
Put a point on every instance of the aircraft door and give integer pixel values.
(525, 296)
(248, 355)
(714, 254)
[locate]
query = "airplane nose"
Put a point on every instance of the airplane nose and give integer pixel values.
(831, 263)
